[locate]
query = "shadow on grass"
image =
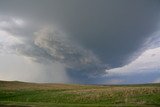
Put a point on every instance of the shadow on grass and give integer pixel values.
(13, 106)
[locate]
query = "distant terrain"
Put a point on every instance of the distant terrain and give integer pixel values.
(21, 94)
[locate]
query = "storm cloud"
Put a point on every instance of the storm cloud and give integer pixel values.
(49, 46)
(88, 39)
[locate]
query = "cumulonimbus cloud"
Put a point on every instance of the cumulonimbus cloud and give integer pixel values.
(61, 49)
(50, 45)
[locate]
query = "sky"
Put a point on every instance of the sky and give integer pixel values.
(80, 41)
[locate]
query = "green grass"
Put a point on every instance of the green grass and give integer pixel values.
(63, 95)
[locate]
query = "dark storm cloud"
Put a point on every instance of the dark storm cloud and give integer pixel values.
(56, 45)
(104, 26)
(107, 32)
(49, 45)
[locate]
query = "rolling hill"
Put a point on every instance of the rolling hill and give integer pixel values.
(21, 94)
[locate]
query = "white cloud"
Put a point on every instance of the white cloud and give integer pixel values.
(148, 61)
(8, 38)
(18, 22)
(8, 33)
(4, 24)
(11, 22)
(7, 41)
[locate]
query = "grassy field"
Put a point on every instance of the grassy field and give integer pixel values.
(20, 94)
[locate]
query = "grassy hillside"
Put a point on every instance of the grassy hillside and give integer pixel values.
(65, 95)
